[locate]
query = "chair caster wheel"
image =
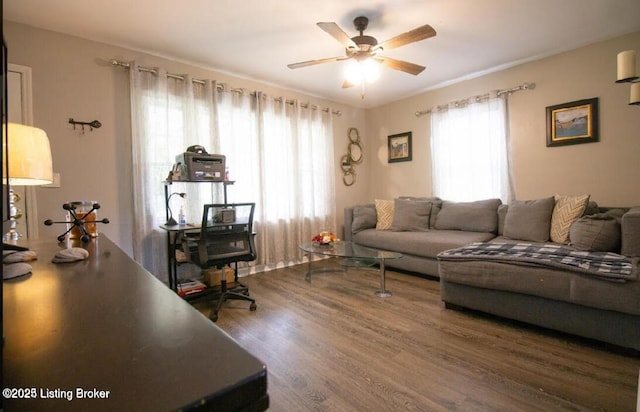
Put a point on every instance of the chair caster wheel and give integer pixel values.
(213, 317)
(253, 307)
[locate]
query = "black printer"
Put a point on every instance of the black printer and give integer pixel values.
(196, 165)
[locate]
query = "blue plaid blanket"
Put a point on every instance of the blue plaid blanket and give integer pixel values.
(608, 266)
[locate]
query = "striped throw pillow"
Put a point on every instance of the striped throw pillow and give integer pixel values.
(384, 214)
(567, 210)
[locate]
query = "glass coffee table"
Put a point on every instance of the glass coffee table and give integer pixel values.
(354, 256)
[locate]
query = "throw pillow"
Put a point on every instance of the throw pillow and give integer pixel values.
(436, 204)
(592, 208)
(478, 216)
(364, 217)
(598, 233)
(502, 214)
(529, 219)
(384, 214)
(567, 210)
(411, 215)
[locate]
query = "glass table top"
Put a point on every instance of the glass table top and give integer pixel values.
(349, 250)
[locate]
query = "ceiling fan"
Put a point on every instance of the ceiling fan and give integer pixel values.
(364, 47)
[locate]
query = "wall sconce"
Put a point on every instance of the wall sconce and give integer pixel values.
(627, 74)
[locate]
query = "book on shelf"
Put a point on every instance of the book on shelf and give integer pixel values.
(188, 287)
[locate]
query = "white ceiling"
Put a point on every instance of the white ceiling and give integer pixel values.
(257, 38)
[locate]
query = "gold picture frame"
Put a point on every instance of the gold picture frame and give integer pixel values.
(573, 123)
(399, 147)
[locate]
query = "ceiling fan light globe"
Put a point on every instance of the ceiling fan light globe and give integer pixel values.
(353, 73)
(356, 72)
(370, 70)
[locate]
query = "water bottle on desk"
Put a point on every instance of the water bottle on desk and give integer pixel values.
(182, 219)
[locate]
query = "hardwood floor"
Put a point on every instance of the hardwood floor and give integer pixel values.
(331, 345)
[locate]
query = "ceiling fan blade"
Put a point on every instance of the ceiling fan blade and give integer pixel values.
(334, 30)
(421, 33)
(314, 62)
(400, 65)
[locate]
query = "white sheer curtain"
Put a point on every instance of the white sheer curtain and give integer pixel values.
(279, 154)
(470, 150)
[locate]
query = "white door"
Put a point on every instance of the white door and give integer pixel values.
(20, 110)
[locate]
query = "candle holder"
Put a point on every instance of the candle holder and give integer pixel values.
(626, 73)
(78, 222)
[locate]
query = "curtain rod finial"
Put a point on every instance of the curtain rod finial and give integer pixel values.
(115, 62)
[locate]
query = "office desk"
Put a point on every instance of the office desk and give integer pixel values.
(174, 234)
(174, 241)
(108, 327)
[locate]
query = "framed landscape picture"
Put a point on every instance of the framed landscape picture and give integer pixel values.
(399, 147)
(572, 123)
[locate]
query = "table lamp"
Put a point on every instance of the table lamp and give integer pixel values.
(29, 159)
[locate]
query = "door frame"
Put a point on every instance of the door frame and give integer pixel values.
(24, 115)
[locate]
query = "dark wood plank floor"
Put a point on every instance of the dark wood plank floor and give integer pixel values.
(331, 345)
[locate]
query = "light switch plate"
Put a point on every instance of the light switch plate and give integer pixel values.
(56, 181)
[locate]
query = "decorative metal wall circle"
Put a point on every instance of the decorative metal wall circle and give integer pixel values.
(345, 164)
(354, 135)
(354, 151)
(354, 156)
(349, 177)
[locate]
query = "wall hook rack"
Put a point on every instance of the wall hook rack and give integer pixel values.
(92, 125)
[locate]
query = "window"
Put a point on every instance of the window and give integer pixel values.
(470, 151)
(279, 154)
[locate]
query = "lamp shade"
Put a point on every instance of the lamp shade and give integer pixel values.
(29, 156)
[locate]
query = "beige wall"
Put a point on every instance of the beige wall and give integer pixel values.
(608, 170)
(72, 77)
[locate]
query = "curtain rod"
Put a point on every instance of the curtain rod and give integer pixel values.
(523, 86)
(127, 65)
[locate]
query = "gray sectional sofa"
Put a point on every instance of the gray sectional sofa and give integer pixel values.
(438, 238)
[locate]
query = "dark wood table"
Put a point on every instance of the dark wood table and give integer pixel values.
(105, 334)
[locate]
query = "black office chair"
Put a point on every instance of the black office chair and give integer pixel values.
(226, 237)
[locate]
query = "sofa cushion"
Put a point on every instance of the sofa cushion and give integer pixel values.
(478, 216)
(567, 210)
(502, 214)
(550, 283)
(425, 244)
(630, 227)
(436, 204)
(410, 215)
(598, 233)
(364, 217)
(384, 214)
(529, 219)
